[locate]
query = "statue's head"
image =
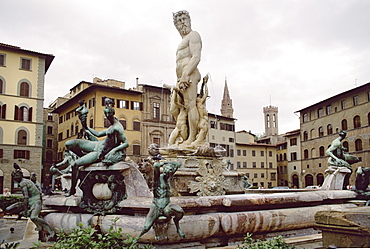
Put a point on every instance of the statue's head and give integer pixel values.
(33, 176)
(81, 102)
(342, 134)
(182, 22)
(109, 108)
(17, 175)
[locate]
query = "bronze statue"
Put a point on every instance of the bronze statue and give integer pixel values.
(339, 164)
(161, 208)
(32, 204)
(110, 150)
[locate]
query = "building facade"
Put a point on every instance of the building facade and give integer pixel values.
(22, 79)
(320, 124)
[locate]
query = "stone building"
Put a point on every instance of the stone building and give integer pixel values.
(22, 78)
(282, 163)
(320, 124)
(157, 121)
(50, 144)
(257, 160)
(293, 158)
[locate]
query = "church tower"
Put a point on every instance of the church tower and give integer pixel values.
(227, 104)
(271, 120)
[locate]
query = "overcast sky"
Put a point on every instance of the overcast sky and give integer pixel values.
(286, 53)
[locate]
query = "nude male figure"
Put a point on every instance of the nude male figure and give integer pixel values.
(187, 59)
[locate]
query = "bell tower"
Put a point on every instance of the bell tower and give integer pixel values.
(271, 120)
(227, 104)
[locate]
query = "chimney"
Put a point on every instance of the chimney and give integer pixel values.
(137, 83)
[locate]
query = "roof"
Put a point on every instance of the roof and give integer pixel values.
(220, 116)
(366, 86)
(90, 88)
(255, 144)
(48, 57)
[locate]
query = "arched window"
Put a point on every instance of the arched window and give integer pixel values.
(24, 90)
(72, 129)
(284, 156)
(356, 122)
(123, 122)
(305, 154)
(329, 129)
(22, 137)
(23, 113)
(321, 131)
(308, 180)
(1, 86)
(322, 151)
(320, 179)
(136, 125)
(305, 136)
(344, 125)
(312, 133)
(313, 152)
(358, 144)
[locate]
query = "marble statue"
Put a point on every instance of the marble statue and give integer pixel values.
(32, 204)
(109, 151)
(161, 210)
(187, 59)
(339, 162)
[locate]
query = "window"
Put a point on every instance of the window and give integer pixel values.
(24, 89)
(91, 123)
(244, 164)
(270, 153)
(368, 96)
(355, 100)
(273, 176)
(293, 141)
(50, 117)
(123, 123)
(67, 133)
(322, 151)
(2, 60)
(23, 113)
(328, 110)
(262, 165)
(344, 124)
(305, 136)
(49, 143)
(136, 149)
(358, 144)
(156, 110)
(238, 165)
(60, 136)
(1, 86)
(24, 154)
(91, 103)
(321, 131)
(231, 140)
(329, 129)
(50, 130)
(255, 175)
(343, 104)
(122, 104)
(284, 156)
(270, 165)
(305, 154)
(60, 119)
(244, 152)
(262, 153)
(320, 113)
(3, 111)
(305, 118)
(26, 64)
(253, 153)
(346, 145)
(356, 122)
(136, 105)
(213, 124)
(238, 152)
(262, 175)
(22, 137)
(136, 125)
(103, 100)
(254, 165)
(293, 156)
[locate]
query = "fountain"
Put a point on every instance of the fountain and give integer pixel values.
(209, 206)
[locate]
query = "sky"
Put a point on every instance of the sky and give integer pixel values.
(287, 53)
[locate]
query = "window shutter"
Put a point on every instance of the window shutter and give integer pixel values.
(27, 152)
(16, 109)
(30, 114)
(141, 106)
(3, 111)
